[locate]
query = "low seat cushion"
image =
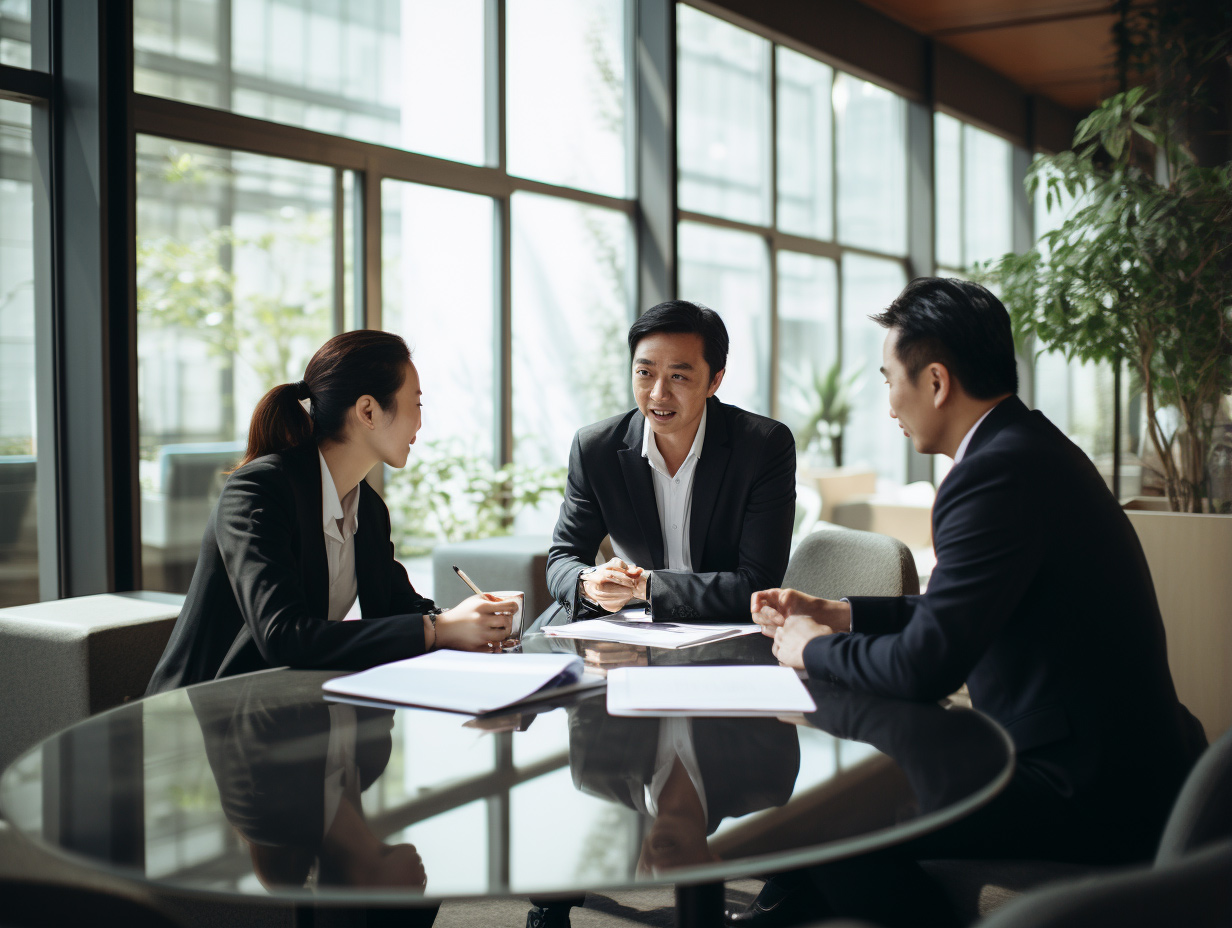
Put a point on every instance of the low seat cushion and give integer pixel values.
(70, 658)
(977, 888)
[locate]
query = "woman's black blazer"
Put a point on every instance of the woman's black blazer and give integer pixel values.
(260, 594)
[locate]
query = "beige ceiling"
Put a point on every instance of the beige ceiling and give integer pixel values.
(1060, 49)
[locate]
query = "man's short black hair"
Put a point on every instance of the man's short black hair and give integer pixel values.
(959, 324)
(683, 316)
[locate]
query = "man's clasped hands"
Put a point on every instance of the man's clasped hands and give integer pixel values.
(790, 617)
(793, 619)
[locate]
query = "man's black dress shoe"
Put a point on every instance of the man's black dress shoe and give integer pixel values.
(549, 916)
(780, 904)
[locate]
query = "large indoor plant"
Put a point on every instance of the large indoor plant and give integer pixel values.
(1140, 269)
(823, 399)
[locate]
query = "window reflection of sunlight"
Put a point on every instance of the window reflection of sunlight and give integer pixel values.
(458, 753)
(580, 828)
(542, 739)
(453, 847)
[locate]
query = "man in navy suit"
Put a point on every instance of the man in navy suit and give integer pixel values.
(1041, 602)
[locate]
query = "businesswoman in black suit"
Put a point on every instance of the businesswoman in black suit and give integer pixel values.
(297, 534)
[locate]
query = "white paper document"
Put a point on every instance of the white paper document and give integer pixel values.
(717, 691)
(461, 681)
(651, 634)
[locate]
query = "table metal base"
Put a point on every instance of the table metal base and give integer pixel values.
(699, 906)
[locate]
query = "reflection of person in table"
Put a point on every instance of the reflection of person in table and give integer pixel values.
(698, 497)
(1041, 602)
(290, 771)
(947, 755)
(298, 535)
(685, 775)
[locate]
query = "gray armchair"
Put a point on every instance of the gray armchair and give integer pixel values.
(839, 562)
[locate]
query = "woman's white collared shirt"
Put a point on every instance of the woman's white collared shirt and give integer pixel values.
(340, 519)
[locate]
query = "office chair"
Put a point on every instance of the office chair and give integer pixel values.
(1189, 884)
(841, 562)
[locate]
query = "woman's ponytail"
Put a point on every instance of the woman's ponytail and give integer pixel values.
(366, 362)
(279, 422)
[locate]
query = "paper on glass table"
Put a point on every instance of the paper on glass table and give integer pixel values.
(464, 682)
(652, 634)
(706, 691)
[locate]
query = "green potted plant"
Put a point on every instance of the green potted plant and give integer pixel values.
(1140, 272)
(823, 401)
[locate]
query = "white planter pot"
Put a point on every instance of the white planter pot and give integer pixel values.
(1190, 556)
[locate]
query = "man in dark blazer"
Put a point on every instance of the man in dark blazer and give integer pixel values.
(697, 496)
(1041, 602)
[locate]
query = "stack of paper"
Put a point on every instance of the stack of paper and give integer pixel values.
(652, 634)
(706, 691)
(464, 682)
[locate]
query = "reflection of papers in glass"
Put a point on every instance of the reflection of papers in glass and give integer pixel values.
(706, 691)
(652, 634)
(464, 682)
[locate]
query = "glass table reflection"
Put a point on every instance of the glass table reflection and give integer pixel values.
(258, 786)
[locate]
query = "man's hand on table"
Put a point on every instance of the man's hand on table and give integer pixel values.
(615, 583)
(771, 608)
(791, 637)
(793, 619)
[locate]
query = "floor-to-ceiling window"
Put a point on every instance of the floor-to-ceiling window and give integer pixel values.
(19, 578)
(480, 211)
(792, 186)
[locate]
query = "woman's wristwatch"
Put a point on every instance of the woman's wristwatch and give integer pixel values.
(431, 615)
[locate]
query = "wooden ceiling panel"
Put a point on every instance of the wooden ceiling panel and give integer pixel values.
(1060, 49)
(932, 16)
(1038, 55)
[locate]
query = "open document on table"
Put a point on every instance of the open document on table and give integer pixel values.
(721, 691)
(651, 634)
(460, 681)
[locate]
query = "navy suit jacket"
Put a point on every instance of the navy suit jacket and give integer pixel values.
(1042, 603)
(743, 509)
(259, 596)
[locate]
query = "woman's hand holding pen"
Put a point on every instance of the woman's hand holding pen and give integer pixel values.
(478, 623)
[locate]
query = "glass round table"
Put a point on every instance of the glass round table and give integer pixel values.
(259, 786)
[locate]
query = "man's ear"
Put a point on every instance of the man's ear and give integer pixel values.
(715, 381)
(939, 380)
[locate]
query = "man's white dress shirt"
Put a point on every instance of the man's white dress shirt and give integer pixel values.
(675, 742)
(340, 519)
(674, 495)
(962, 447)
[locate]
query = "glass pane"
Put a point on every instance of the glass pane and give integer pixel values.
(18, 441)
(808, 346)
(405, 73)
(566, 93)
(570, 324)
(235, 288)
(872, 166)
(873, 440)
(438, 293)
(987, 211)
(729, 272)
(947, 172)
(1077, 397)
(723, 135)
(15, 33)
(805, 158)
